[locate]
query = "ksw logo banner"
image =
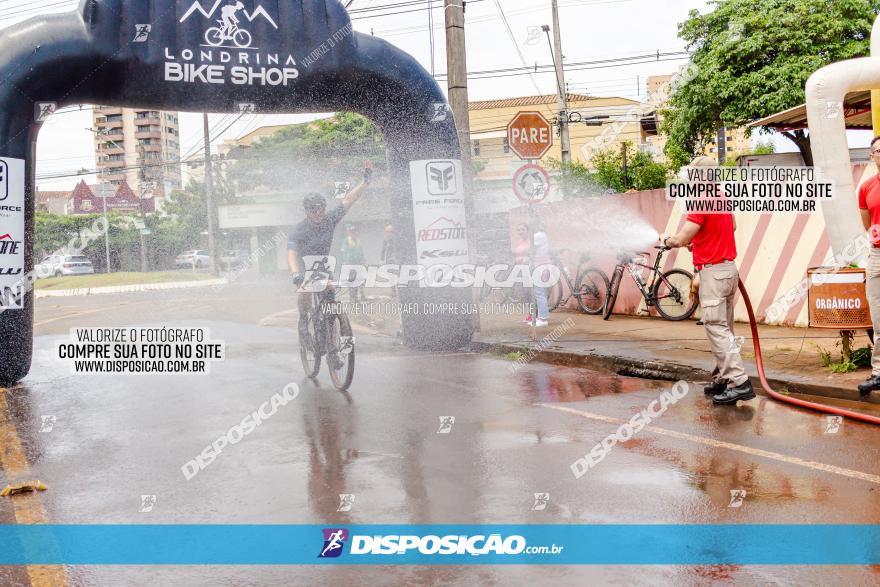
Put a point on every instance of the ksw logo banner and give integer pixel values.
(439, 212)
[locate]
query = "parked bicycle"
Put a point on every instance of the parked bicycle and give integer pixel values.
(326, 331)
(669, 292)
(589, 286)
(516, 294)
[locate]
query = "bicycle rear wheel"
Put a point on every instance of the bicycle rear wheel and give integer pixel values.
(612, 293)
(592, 291)
(340, 351)
(556, 292)
(672, 295)
(308, 346)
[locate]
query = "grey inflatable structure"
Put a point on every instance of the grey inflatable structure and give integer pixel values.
(283, 56)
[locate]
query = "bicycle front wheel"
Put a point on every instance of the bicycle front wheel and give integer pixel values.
(340, 352)
(612, 293)
(672, 295)
(242, 38)
(308, 345)
(592, 291)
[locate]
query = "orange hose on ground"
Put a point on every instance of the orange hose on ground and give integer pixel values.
(784, 398)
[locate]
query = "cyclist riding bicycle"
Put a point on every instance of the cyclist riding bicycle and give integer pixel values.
(313, 237)
(230, 21)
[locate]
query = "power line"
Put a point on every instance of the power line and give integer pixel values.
(518, 51)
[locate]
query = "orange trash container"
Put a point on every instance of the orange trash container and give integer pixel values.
(838, 299)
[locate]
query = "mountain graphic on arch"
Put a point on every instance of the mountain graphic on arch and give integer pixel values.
(197, 6)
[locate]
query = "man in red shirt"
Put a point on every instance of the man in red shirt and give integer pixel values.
(869, 206)
(714, 247)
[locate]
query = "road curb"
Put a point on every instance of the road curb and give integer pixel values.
(90, 291)
(652, 369)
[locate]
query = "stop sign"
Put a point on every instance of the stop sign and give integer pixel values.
(530, 135)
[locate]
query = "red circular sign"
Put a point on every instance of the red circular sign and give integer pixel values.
(531, 183)
(530, 135)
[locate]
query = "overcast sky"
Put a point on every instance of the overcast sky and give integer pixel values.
(592, 30)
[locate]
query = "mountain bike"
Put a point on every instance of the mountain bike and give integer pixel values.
(589, 286)
(215, 36)
(669, 292)
(326, 331)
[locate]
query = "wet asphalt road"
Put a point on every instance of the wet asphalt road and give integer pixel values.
(515, 434)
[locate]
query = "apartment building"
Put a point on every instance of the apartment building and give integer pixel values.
(138, 147)
(732, 142)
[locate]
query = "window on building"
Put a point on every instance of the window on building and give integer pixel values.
(730, 149)
(506, 146)
(477, 148)
(712, 150)
(86, 205)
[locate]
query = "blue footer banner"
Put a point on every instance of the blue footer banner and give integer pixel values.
(439, 544)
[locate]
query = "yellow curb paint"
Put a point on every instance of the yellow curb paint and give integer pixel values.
(26, 507)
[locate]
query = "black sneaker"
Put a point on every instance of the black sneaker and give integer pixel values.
(734, 394)
(715, 388)
(872, 384)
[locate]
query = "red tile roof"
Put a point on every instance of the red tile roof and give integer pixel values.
(43, 197)
(526, 101)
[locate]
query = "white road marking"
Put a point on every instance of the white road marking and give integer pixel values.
(757, 452)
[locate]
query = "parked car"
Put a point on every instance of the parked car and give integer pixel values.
(58, 265)
(193, 259)
(233, 258)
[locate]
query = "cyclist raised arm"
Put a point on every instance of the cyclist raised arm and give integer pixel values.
(355, 194)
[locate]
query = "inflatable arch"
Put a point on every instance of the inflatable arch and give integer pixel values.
(284, 56)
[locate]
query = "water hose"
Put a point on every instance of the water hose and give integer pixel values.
(784, 398)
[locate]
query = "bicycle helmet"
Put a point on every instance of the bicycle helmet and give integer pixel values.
(314, 201)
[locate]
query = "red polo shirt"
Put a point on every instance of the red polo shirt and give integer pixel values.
(869, 199)
(714, 242)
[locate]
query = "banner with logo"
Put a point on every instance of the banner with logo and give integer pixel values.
(11, 233)
(462, 544)
(439, 212)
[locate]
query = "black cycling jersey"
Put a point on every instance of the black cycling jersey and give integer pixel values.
(310, 239)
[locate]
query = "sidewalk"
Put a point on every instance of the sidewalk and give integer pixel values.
(659, 349)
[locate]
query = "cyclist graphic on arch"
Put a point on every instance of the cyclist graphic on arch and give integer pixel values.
(228, 29)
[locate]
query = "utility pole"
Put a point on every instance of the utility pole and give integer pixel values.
(152, 176)
(722, 145)
(625, 167)
(209, 196)
(456, 60)
(99, 133)
(457, 85)
(562, 100)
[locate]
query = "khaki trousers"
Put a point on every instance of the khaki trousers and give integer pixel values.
(872, 288)
(718, 286)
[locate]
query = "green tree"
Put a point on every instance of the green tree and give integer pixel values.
(761, 148)
(310, 156)
(641, 172)
(752, 58)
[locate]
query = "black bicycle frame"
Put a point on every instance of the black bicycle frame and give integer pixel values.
(645, 287)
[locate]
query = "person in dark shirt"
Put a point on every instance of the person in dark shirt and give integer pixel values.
(313, 237)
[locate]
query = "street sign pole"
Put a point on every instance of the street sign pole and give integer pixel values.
(106, 234)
